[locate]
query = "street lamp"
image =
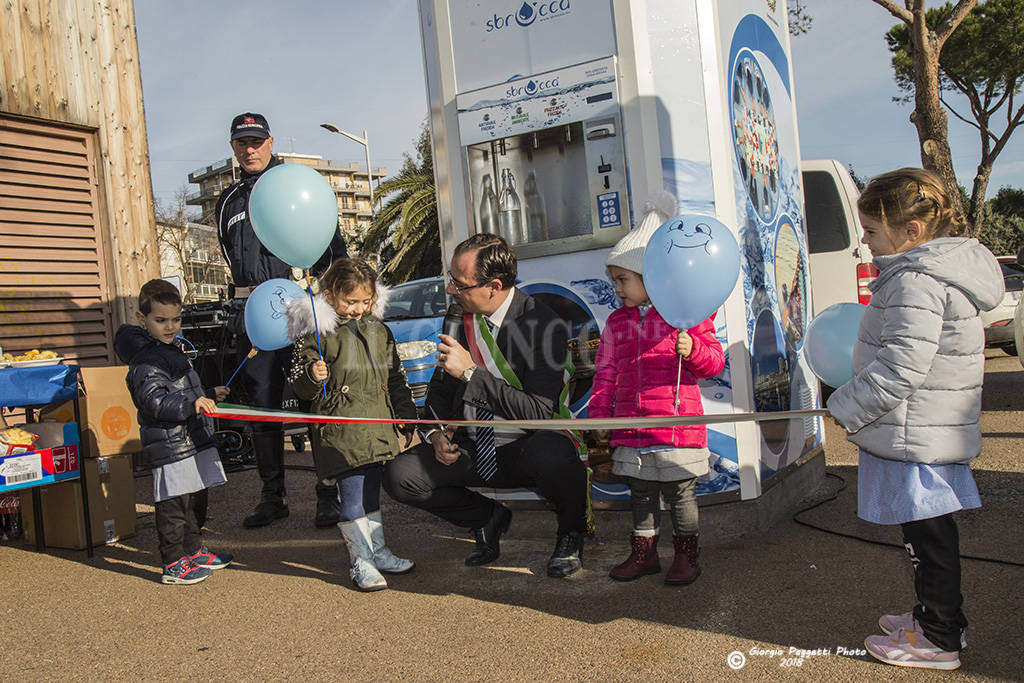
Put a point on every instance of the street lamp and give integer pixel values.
(365, 142)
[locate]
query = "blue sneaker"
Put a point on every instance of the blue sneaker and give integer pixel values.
(204, 558)
(184, 572)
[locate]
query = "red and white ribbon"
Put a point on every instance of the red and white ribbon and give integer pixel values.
(230, 412)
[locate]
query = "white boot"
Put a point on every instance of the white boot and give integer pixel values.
(364, 573)
(385, 560)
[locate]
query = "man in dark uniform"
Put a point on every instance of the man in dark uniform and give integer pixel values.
(263, 376)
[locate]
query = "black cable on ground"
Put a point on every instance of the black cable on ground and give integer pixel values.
(842, 487)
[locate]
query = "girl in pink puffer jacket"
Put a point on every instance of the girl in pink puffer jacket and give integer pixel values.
(636, 369)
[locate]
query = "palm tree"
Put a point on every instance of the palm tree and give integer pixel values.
(405, 231)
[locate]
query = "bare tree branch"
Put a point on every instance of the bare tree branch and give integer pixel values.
(187, 248)
(904, 15)
(962, 9)
(955, 113)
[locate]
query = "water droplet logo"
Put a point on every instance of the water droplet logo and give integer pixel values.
(530, 88)
(526, 15)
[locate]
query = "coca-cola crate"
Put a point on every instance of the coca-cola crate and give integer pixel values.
(10, 517)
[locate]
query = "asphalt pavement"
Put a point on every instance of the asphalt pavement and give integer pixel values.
(792, 603)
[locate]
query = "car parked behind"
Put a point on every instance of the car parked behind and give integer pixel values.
(840, 267)
(999, 328)
(414, 312)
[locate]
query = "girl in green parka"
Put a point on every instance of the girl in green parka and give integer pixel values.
(363, 377)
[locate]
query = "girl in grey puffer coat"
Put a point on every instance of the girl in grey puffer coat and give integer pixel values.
(920, 354)
(913, 406)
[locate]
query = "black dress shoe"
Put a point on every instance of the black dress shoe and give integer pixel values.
(568, 556)
(265, 513)
(328, 512)
(488, 537)
(326, 519)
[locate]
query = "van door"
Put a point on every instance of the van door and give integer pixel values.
(839, 266)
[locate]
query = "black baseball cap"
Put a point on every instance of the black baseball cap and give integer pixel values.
(250, 125)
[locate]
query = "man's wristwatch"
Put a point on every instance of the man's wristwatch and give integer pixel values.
(467, 374)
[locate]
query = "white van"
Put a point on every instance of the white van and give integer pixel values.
(840, 265)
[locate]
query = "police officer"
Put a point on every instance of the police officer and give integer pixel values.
(263, 376)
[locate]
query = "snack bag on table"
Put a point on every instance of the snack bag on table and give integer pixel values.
(14, 440)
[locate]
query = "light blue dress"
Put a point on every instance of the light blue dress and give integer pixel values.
(894, 492)
(182, 477)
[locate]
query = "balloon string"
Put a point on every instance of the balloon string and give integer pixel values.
(679, 377)
(252, 352)
(316, 328)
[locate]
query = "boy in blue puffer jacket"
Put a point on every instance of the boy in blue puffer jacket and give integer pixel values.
(177, 439)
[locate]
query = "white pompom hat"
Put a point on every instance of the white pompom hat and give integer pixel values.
(628, 253)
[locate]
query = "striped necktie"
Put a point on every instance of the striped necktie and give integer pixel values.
(486, 457)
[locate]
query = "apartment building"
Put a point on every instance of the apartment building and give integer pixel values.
(349, 180)
(191, 251)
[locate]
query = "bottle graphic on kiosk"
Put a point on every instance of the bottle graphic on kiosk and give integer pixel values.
(510, 212)
(536, 214)
(488, 207)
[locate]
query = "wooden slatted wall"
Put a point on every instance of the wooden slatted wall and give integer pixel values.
(72, 67)
(53, 280)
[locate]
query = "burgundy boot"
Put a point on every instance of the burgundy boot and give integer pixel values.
(642, 560)
(684, 569)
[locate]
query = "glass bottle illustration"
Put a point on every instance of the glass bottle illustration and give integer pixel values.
(510, 213)
(488, 207)
(536, 214)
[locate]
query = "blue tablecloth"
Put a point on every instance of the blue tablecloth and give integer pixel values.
(38, 385)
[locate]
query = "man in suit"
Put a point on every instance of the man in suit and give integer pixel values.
(436, 475)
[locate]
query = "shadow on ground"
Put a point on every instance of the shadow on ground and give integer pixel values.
(794, 586)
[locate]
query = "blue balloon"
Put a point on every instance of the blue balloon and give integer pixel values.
(266, 313)
(294, 213)
(829, 342)
(690, 267)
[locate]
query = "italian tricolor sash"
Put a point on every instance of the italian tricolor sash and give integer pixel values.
(486, 354)
(485, 350)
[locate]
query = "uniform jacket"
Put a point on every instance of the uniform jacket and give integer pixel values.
(919, 358)
(164, 388)
(635, 376)
(251, 263)
(365, 379)
(534, 341)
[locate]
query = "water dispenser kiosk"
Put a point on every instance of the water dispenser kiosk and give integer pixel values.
(552, 122)
(550, 146)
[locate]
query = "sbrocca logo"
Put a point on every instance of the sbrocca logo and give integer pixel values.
(532, 87)
(527, 14)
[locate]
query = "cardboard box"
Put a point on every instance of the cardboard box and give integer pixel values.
(111, 488)
(108, 414)
(41, 467)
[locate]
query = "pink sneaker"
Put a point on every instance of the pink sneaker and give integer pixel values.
(893, 622)
(909, 648)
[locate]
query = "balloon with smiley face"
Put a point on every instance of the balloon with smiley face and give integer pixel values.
(690, 267)
(266, 313)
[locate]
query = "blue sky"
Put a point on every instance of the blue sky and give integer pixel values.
(359, 65)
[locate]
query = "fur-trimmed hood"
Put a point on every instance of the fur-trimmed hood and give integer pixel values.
(300, 317)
